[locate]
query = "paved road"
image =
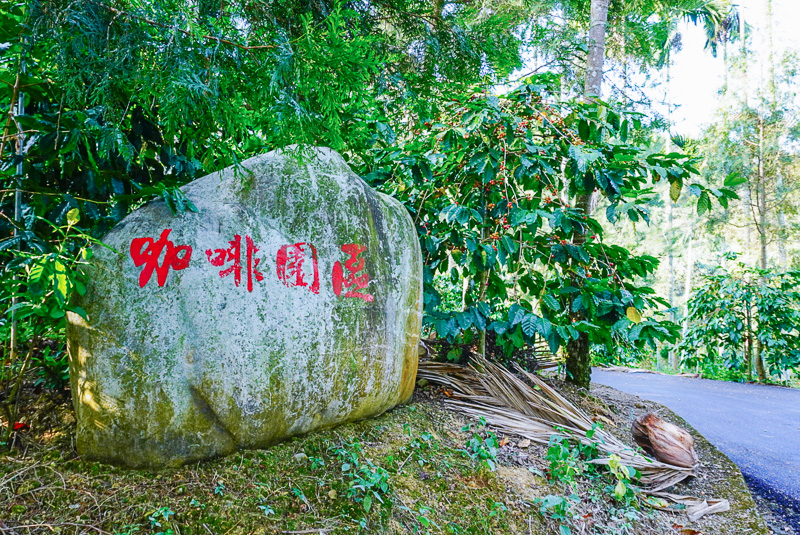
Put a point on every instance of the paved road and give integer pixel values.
(757, 426)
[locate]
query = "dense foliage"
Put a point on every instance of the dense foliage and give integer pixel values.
(124, 102)
(488, 181)
(733, 310)
(127, 101)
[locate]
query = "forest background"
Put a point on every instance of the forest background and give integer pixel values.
(555, 213)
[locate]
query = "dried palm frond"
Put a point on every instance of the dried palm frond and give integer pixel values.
(536, 413)
(666, 442)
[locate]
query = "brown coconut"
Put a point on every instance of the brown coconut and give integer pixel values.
(666, 442)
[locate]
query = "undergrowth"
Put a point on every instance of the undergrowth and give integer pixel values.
(404, 472)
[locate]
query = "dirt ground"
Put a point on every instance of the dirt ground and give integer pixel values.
(435, 483)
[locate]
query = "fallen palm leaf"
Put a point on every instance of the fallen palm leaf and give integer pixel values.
(695, 507)
(536, 413)
(666, 442)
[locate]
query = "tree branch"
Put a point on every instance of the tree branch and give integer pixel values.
(119, 12)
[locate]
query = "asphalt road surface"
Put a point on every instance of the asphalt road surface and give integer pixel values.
(757, 426)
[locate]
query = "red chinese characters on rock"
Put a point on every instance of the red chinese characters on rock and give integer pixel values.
(293, 266)
(297, 264)
(219, 257)
(353, 281)
(147, 251)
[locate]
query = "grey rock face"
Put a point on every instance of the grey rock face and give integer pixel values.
(290, 302)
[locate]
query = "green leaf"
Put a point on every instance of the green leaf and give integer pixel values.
(703, 203)
(675, 190)
(462, 215)
(734, 179)
(481, 161)
(515, 314)
(449, 213)
(62, 282)
(529, 324)
(551, 302)
(545, 327)
(583, 157)
(633, 314)
(367, 502)
(80, 312)
(510, 245)
(73, 216)
(620, 490)
(577, 304)
(464, 320)
(499, 327)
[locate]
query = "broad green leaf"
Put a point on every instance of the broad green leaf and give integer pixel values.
(37, 272)
(464, 320)
(73, 216)
(675, 190)
(529, 324)
(620, 490)
(734, 179)
(634, 315)
(80, 312)
(703, 203)
(62, 282)
(551, 302)
(462, 215)
(583, 157)
(499, 327)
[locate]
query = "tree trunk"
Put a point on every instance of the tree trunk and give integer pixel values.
(482, 332)
(687, 287)
(748, 340)
(438, 10)
(743, 43)
(726, 66)
(579, 369)
(673, 357)
(18, 110)
(484, 277)
(783, 257)
(761, 225)
(773, 103)
(762, 198)
(579, 365)
(597, 49)
(771, 89)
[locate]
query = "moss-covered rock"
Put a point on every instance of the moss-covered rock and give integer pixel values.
(291, 301)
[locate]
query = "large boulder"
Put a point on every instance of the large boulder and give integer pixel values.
(291, 301)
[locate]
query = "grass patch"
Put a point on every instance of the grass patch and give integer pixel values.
(408, 471)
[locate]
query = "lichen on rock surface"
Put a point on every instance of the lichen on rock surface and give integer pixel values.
(291, 301)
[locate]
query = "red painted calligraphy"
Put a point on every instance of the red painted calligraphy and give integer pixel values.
(219, 257)
(353, 265)
(293, 268)
(147, 251)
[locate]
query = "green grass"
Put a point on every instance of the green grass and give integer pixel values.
(403, 472)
